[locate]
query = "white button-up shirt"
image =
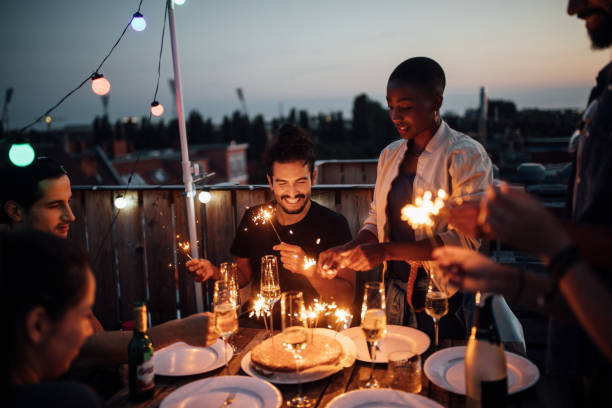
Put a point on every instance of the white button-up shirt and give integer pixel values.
(451, 161)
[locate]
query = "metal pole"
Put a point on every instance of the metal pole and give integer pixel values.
(186, 164)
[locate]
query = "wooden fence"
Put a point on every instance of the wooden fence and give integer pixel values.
(133, 251)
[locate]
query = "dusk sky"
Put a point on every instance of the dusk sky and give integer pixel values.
(314, 55)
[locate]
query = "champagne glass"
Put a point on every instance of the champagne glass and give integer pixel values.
(295, 336)
(373, 323)
(229, 273)
(226, 318)
(269, 286)
(436, 305)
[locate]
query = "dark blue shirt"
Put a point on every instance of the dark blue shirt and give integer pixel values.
(399, 195)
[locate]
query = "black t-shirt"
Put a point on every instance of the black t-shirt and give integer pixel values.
(319, 230)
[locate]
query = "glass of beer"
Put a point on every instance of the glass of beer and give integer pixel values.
(404, 371)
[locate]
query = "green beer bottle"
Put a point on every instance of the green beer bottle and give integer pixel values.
(140, 357)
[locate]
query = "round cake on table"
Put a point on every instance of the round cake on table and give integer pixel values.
(271, 356)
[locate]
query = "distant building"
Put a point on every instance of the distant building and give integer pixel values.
(483, 111)
(154, 167)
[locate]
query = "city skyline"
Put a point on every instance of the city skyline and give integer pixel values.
(315, 56)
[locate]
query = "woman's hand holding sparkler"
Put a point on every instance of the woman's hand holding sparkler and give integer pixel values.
(202, 270)
(363, 257)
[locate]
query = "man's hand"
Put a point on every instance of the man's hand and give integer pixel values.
(520, 220)
(464, 217)
(196, 330)
(292, 258)
(202, 270)
(471, 271)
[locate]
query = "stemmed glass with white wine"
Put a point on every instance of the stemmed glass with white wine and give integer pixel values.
(269, 286)
(373, 323)
(226, 318)
(436, 304)
(229, 273)
(295, 337)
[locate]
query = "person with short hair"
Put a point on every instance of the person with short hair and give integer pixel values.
(47, 292)
(429, 156)
(305, 228)
(38, 197)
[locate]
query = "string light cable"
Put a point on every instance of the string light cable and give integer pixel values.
(94, 75)
(138, 155)
(156, 108)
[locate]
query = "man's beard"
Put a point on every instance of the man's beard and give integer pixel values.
(601, 37)
(299, 210)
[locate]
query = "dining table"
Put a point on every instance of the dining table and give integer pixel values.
(321, 392)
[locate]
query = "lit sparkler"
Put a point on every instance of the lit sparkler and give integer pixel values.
(264, 215)
(261, 308)
(309, 262)
(185, 247)
(422, 213)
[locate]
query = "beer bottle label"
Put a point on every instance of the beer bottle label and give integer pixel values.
(145, 375)
(494, 393)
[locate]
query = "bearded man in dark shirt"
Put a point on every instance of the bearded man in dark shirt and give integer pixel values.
(304, 227)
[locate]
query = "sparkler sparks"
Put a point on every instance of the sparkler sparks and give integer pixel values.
(264, 215)
(261, 308)
(185, 247)
(309, 262)
(422, 213)
(317, 310)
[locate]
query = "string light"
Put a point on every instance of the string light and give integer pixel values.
(179, 2)
(204, 197)
(120, 201)
(88, 78)
(99, 84)
(21, 154)
(138, 22)
(157, 109)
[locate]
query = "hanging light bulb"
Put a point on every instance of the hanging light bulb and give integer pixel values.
(138, 22)
(179, 2)
(120, 201)
(99, 84)
(21, 154)
(204, 197)
(157, 109)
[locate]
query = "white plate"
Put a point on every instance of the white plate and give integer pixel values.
(212, 392)
(446, 369)
(347, 359)
(398, 338)
(182, 359)
(381, 398)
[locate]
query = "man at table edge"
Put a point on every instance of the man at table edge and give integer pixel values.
(291, 175)
(38, 197)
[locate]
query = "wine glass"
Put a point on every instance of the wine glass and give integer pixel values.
(226, 318)
(294, 336)
(229, 273)
(436, 304)
(269, 286)
(373, 323)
